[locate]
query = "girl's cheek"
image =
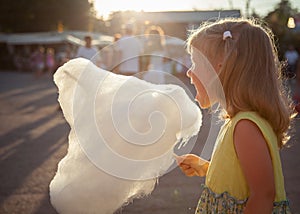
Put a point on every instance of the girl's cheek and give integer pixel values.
(195, 78)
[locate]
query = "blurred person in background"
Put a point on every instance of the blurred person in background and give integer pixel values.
(88, 51)
(130, 49)
(291, 56)
(297, 88)
(37, 60)
(50, 61)
(115, 58)
(156, 53)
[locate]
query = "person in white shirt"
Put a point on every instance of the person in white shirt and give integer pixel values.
(155, 49)
(292, 56)
(130, 49)
(88, 51)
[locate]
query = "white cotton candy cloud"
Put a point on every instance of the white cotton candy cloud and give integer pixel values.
(123, 131)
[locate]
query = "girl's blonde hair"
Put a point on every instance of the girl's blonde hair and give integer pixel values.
(250, 73)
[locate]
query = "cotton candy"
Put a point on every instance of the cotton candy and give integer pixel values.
(122, 137)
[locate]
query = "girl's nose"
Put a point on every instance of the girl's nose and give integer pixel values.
(189, 73)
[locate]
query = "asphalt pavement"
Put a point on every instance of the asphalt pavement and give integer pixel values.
(33, 139)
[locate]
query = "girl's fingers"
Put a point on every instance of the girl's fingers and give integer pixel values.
(184, 166)
(179, 159)
(190, 172)
(188, 164)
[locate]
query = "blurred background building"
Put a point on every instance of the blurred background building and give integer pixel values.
(62, 25)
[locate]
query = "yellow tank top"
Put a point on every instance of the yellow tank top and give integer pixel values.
(225, 173)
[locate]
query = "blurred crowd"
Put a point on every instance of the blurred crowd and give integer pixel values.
(292, 73)
(128, 55)
(40, 59)
(152, 55)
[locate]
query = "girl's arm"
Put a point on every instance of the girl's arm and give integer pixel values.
(192, 165)
(256, 163)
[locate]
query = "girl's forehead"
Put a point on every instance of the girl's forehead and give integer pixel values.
(193, 53)
(199, 58)
(196, 54)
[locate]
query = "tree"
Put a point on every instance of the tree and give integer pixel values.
(44, 15)
(277, 21)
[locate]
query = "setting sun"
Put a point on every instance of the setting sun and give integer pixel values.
(104, 7)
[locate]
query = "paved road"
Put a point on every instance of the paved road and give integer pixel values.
(33, 139)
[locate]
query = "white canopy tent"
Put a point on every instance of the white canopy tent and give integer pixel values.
(47, 38)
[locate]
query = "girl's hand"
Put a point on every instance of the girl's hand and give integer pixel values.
(192, 165)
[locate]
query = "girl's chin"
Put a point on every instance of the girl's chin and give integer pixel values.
(204, 104)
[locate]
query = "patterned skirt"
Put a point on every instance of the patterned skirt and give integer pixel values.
(212, 203)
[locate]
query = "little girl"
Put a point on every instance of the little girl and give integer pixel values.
(244, 174)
